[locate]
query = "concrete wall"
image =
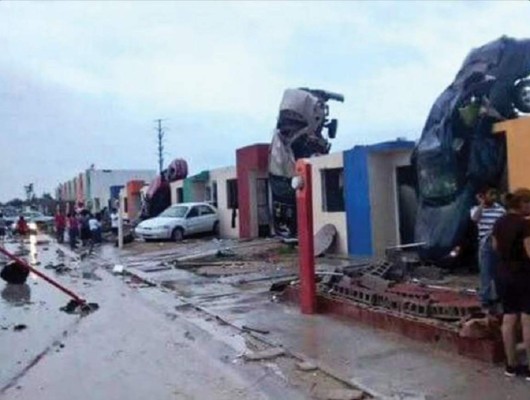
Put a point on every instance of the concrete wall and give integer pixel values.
(371, 197)
(102, 180)
(174, 187)
(252, 163)
(383, 198)
(517, 133)
(221, 176)
(320, 216)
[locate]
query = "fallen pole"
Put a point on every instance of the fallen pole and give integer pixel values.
(23, 263)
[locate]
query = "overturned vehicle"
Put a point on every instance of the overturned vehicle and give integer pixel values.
(158, 196)
(298, 134)
(457, 153)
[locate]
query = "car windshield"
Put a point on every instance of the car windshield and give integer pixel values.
(175, 212)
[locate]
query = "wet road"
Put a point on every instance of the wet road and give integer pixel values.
(142, 343)
(182, 339)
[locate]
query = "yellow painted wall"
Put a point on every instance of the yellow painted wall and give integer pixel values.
(517, 133)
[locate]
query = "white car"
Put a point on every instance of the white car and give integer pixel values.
(178, 221)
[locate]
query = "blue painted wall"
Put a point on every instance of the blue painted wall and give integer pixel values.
(357, 201)
(357, 193)
(114, 195)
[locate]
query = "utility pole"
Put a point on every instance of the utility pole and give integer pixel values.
(29, 192)
(160, 132)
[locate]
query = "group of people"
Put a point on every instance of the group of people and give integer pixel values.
(504, 261)
(82, 226)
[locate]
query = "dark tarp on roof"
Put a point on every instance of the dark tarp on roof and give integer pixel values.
(457, 153)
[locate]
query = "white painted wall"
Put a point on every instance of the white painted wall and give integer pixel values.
(174, 186)
(321, 217)
(383, 198)
(221, 176)
(123, 196)
(102, 180)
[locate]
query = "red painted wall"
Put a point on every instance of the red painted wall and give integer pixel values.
(249, 159)
(133, 198)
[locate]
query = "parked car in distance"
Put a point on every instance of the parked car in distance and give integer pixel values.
(178, 221)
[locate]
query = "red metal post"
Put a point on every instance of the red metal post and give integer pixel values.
(304, 206)
(24, 264)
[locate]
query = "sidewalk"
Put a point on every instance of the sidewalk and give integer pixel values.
(387, 365)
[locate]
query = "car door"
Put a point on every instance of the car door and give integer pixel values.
(193, 220)
(207, 219)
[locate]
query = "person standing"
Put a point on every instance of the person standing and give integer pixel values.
(485, 215)
(84, 228)
(95, 228)
(3, 227)
(22, 226)
(60, 226)
(73, 230)
(114, 221)
(511, 240)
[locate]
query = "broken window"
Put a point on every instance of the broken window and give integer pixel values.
(231, 194)
(332, 189)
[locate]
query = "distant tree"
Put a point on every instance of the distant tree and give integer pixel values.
(17, 203)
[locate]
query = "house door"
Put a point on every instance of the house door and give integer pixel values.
(407, 202)
(262, 187)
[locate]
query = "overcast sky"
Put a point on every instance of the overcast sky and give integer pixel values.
(81, 83)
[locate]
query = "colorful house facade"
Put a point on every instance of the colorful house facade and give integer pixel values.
(367, 193)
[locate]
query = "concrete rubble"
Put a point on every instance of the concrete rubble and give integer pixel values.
(264, 354)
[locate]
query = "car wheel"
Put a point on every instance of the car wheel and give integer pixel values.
(215, 229)
(521, 97)
(177, 235)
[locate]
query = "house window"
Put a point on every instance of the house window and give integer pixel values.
(231, 193)
(332, 189)
(125, 205)
(213, 194)
(180, 195)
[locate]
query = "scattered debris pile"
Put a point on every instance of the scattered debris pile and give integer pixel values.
(392, 285)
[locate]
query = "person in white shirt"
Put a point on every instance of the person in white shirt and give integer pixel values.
(114, 221)
(95, 228)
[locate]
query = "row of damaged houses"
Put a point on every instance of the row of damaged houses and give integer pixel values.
(96, 189)
(367, 193)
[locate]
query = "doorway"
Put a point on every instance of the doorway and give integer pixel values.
(407, 202)
(262, 188)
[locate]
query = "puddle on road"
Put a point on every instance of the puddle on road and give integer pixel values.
(16, 295)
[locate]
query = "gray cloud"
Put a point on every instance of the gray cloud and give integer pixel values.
(82, 81)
